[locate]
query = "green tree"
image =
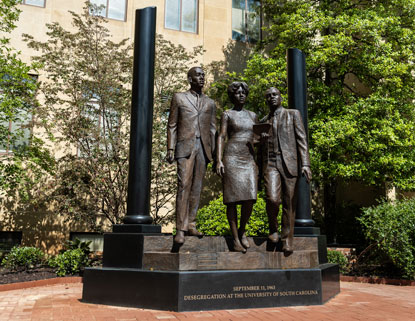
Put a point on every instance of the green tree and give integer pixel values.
(86, 110)
(16, 86)
(21, 164)
(360, 67)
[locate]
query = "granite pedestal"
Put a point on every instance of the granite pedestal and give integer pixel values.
(147, 270)
(210, 290)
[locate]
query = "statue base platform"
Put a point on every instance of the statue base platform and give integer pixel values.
(147, 270)
(311, 231)
(158, 252)
(210, 290)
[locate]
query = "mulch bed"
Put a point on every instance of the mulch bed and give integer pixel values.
(40, 276)
(41, 273)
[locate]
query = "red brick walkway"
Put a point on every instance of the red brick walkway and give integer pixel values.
(355, 302)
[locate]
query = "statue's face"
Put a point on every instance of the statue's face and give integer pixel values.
(239, 96)
(273, 97)
(197, 78)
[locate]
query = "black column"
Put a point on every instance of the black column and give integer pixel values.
(138, 201)
(297, 98)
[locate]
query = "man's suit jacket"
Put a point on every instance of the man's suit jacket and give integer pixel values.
(185, 116)
(292, 140)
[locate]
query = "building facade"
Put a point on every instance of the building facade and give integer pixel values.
(208, 23)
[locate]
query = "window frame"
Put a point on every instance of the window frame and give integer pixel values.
(106, 11)
(99, 122)
(246, 27)
(8, 150)
(95, 235)
(33, 5)
(9, 239)
(180, 18)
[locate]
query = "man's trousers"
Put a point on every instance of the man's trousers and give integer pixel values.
(190, 173)
(281, 187)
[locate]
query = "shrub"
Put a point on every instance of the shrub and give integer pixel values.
(340, 259)
(211, 219)
(73, 258)
(69, 262)
(23, 257)
(391, 228)
(78, 244)
(2, 255)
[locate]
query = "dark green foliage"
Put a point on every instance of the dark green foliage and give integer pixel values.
(360, 64)
(74, 257)
(3, 254)
(347, 231)
(23, 258)
(70, 262)
(84, 246)
(391, 228)
(373, 261)
(340, 259)
(211, 219)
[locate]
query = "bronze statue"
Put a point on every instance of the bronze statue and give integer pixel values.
(191, 134)
(284, 150)
(238, 169)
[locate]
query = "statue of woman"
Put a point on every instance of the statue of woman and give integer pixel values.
(238, 169)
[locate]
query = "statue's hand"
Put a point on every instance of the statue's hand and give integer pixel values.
(170, 156)
(220, 169)
(306, 171)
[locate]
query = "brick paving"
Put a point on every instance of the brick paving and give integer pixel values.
(357, 301)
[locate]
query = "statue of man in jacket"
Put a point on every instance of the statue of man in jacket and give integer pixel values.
(284, 157)
(190, 141)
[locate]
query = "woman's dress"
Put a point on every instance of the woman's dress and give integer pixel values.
(241, 172)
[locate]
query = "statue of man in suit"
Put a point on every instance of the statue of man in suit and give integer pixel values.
(190, 141)
(284, 156)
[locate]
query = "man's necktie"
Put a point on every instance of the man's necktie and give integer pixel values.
(275, 133)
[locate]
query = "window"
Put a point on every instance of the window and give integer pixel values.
(101, 126)
(181, 15)
(20, 128)
(245, 20)
(112, 9)
(9, 239)
(96, 239)
(16, 132)
(37, 3)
